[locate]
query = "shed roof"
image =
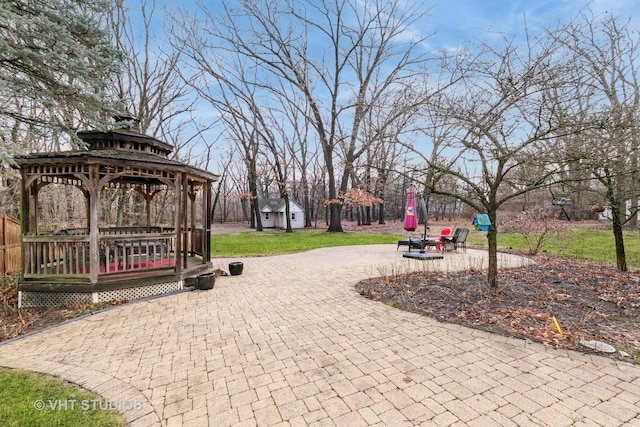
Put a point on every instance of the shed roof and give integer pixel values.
(278, 205)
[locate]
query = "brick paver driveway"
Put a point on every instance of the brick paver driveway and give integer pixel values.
(290, 342)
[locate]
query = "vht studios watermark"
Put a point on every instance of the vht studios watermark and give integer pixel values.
(87, 405)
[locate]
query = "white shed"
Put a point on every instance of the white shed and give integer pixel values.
(274, 215)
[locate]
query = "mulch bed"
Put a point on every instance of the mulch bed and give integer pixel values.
(589, 302)
(15, 322)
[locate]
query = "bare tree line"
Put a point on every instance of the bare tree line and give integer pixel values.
(309, 100)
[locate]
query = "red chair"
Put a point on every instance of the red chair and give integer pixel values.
(436, 240)
(444, 232)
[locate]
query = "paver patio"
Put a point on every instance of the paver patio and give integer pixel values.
(290, 342)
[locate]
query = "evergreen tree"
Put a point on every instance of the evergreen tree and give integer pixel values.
(56, 67)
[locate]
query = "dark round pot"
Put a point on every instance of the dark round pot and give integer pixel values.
(235, 268)
(206, 281)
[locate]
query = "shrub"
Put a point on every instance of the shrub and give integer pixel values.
(537, 225)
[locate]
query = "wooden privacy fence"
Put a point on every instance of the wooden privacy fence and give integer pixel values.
(9, 245)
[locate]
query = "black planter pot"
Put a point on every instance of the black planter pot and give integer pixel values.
(235, 268)
(206, 281)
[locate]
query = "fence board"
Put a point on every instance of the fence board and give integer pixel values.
(10, 256)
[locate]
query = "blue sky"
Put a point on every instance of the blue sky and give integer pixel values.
(452, 22)
(462, 19)
(457, 20)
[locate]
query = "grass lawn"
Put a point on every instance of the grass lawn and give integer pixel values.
(579, 243)
(252, 243)
(30, 399)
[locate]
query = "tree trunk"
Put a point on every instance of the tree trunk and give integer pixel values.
(247, 212)
(621, 257)
(633, 221)
(381, 213)
(335, 224)
(255, 214)
(307, 211)
(122, 201)
(287, 209)
(492, 239)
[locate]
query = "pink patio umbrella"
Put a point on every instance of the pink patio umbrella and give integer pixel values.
(411, 223)
(410, 217)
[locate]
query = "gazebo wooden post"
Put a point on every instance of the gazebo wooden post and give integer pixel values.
(192, 218)
(33, 207)
(87, 205)
(25, 218)
(148, 196)
(94, 229)
(25, 215)
(178, 220)
(185, 209)
(206, 220)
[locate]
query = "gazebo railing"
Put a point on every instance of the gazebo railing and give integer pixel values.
(69, 254)
(121, 253)
(136, 229)
(56, 255)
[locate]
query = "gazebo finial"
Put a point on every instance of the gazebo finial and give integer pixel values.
(126, 116)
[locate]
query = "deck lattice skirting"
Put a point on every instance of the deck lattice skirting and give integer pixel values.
(70, 299)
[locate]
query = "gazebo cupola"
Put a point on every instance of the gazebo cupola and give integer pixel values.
(100, 260)
(126, 138)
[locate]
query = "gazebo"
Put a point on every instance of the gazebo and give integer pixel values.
(103, 262)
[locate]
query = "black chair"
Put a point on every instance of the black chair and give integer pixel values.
(457, 240)
(411, 242)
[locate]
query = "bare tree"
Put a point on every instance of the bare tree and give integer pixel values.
(221, 191)
(247, 140)
(395, 124)
(604, 52)
(282, 140)
(364, 52)
(387, 121)
(498, 113)
(302, 153)
(151, 83)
